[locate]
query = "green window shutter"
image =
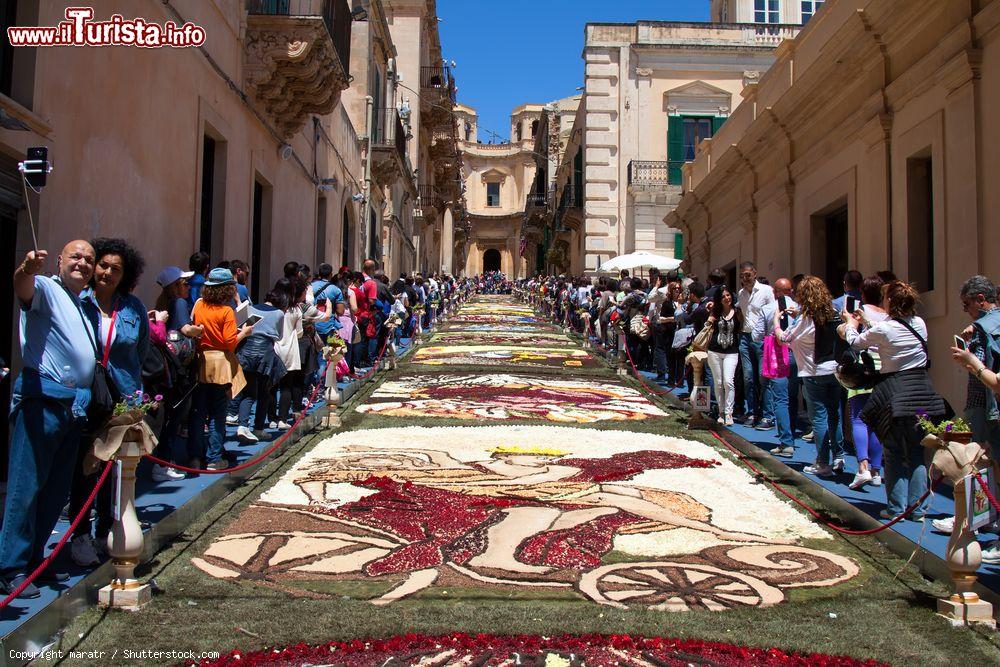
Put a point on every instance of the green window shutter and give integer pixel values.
(678, 245)
(675, 148)
(717, 123)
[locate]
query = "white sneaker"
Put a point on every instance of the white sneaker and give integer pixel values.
(860, 479)
(273, 425)
(808, 437)
(83, 551)
(729, 421)
(876, 480)
(838, 465)
(992, 554)
(945, 525)
(245, 434)
(721, 420)
(819, 469)
(283, 425)
(232, 420)
(166, 474)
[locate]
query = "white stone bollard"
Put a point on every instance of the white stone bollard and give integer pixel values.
(125, 541)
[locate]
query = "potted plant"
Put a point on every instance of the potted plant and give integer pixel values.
(956, 430)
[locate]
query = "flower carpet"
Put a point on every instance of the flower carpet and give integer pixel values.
(487, 504)
(561, 651)
(536, 507)
(506, 397)
(500, 354)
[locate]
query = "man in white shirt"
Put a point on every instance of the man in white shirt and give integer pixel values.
(752, 298)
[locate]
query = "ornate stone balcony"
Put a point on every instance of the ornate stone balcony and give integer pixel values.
(296, 58)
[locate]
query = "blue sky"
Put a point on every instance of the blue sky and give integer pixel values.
(510, 52)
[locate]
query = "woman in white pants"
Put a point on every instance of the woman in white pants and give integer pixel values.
(724, 351)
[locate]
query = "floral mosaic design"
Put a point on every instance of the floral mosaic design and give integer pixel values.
(488, 318)
(562, 651)
(501, 355)
(505, 397)
(529, 508)
(503, 337)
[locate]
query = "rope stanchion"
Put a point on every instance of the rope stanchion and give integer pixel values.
(986, 489)
(248, 464)
(63, 540)
(815, 514)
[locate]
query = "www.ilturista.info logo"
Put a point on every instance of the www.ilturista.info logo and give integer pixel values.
(80, 30)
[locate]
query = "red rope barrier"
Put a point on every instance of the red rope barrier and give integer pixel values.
(986, 490)
(816, 515)
(252, 462)
(63, 540)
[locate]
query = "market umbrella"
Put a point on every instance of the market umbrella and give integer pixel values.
(639, 259)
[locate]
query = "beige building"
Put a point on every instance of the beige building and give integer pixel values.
(652, 91)
(868, 145)
(497, 179)
(241, 148)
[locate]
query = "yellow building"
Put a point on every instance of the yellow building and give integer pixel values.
(868, 145)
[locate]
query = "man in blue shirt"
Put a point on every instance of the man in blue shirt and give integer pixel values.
(48, 408)
(324, 287)
(241, 271)
(852, 287)
(199, 263)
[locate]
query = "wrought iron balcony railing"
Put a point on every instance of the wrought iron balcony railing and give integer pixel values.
(650, 172)
(536, 199)
(388, 131)
(336, 15)
(438, 78)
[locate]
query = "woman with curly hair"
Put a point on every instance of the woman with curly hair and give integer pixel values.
(903, 393)
(218, 368)
(814, 341)
(122, 343)
(726, 321)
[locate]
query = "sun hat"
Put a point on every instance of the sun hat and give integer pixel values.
(170, 275)
(217, 277)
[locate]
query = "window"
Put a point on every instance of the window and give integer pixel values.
(810, 7)
(213, 196)
(493, 193)
(920, 221)
(767, 11)
(683, 135)
(534, 128)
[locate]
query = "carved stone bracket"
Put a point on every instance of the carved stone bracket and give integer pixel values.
(291, 69)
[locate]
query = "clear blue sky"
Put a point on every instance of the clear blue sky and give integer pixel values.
(511, 52)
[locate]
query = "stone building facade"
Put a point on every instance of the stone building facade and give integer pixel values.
(652, 91)
(254, 146)
(497, 179)
(867, 145)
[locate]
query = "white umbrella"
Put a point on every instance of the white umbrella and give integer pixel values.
(640, 259)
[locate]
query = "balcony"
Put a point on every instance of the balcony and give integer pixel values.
(649, 173)
(571, 197)
(440, 80)
(296, 58)
(536, 200)
(388, 145)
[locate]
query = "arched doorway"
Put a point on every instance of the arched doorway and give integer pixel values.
(491, 260)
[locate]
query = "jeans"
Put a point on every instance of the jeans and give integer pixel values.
(794, 385)
(866, 443)
(750, 356)
(208, 406)
(80, 490)
(904, 471)
(290, 400)
(987, 432)
(258, 391)
(776, 393)
(663, 338)
(45, 437)
(824, 397)
(724, 376)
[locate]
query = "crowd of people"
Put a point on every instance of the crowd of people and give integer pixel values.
(204, 356)
(859, 361)
(493, 282)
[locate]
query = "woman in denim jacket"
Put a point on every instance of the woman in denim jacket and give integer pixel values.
(123, 342)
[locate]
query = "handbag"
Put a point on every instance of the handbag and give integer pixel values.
(774, 359)
(639, 326)
(682, 338)
(704, 337)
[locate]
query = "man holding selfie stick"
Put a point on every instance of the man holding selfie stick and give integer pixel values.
(977, 343)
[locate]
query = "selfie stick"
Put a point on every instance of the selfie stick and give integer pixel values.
(32, 167)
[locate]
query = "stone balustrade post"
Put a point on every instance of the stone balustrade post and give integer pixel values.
(125, 542)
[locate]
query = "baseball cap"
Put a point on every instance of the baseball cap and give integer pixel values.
(218, 277)
(170, 275)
